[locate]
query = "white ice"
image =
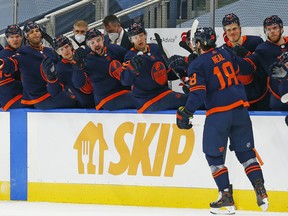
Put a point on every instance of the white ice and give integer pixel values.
(19, 208)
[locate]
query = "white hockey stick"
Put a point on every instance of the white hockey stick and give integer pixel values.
(193, 29)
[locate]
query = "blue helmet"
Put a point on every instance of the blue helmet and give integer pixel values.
(92, 33)
(30, 25)
(206, 36)
(135, 29)
(13, 30)
(272, 20)
(230, 19)
(60, 41)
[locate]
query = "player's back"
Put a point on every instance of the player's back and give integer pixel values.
(218, 68)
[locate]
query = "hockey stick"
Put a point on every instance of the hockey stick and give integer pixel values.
(185, 46)
(164, 56)
(48, 38)
(159, 42)
(193, 30)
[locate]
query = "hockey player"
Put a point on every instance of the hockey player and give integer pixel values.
(10, 84)
(213, 80)
(145, 70)
(103, 66)
(28, 59)
(59, 74)
(255, 84)
(267, 55)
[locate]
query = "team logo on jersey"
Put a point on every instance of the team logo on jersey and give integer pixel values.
(115, 69)
(159, 73)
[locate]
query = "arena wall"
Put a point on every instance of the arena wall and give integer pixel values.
(125, 158)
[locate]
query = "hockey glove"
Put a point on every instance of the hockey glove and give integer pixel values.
(191, 57)
(183, 117)
(136, 64)
(177, 61)
(49, 70)
(185, 89)
(278, 71)
(240, 51)
(79, 57)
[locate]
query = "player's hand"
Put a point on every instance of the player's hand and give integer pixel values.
(183, 117)
(278, 69)
(49, 69)
(176, 61)
(136, 64)
(79, 57)
(191, 57)
(279, 72)
(240, 51)
(185, 89)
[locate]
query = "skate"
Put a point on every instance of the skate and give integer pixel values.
(261, 195)
(224, 204)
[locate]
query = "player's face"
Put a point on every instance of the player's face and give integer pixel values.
(14, 41)
(66, 52)
(112, 28)
(97, 45)
(34, 37)
(139, 41)
(233, 32)
(273, 32)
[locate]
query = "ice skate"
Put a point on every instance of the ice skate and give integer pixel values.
(224, 204)
(261, 195)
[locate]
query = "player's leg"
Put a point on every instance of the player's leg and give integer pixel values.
(242, 143)
(171, 101)
(255, 175)
(225, 203)
(215, 139)
(62, 100)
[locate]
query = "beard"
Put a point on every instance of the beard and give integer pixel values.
(275, 39)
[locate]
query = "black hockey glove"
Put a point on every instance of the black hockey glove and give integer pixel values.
(79, 57)
(183, 117)
(136, 64)
(185, 88)
(240, 51)
(191, 57)
(49, 69)
(177, 61)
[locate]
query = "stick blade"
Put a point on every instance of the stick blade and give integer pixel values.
(193, 28)
(284, 98)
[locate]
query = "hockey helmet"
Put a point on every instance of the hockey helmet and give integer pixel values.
(230, 19)
(135, 29)
(272, 20)
(92, 33)
(60, 41)
(13, 30)
(30, 25)
(206, 36)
